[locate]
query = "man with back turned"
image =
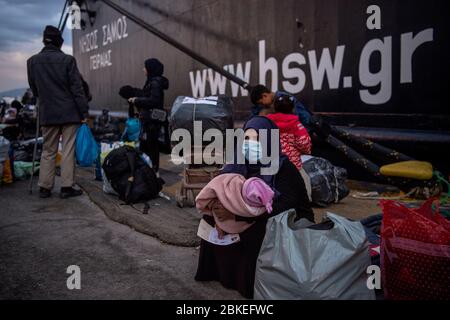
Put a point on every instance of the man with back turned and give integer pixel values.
(56, 82)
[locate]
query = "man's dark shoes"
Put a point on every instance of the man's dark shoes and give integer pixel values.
(44, 193)
(70, 193)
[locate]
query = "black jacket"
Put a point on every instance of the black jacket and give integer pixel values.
(152, 95)
(54, 78)
(293, 195)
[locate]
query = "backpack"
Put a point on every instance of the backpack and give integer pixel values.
(130, 176)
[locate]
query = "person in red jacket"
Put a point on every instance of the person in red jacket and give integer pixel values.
(294, 137)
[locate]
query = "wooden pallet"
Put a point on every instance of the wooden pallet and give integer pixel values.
(194, 180)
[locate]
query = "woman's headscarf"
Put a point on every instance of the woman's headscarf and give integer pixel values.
(154, 68)
(254, 170)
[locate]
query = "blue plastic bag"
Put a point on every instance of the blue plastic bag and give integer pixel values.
(132, 130)
(86, 147)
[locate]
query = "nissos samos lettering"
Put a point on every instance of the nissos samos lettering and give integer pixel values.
(109, 33)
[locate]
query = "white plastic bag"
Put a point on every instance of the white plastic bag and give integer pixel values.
(105, 149)
(107, 188)
(300, 263)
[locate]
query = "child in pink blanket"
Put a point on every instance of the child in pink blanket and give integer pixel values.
(231, 195)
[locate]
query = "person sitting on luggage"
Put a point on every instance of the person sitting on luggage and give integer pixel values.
(295, 140)
(145, 100)
(106, 128)
(234, 265)
(263, 103)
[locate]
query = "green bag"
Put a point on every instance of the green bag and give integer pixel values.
(22, 170)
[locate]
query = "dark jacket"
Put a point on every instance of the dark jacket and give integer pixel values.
(54, 78)
(152, 95)
(86, 89)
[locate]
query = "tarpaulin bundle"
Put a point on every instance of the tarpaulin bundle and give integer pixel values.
(327, 181)
(213, 112)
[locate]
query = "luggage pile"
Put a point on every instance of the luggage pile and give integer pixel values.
(213, 113)
(23, 150)
(409, 245)
(16, 159)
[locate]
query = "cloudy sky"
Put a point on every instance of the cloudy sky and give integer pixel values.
(21, 26)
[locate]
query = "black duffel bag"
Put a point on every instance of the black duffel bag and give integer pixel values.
(213, 112)
(327, 181)
(130, 176)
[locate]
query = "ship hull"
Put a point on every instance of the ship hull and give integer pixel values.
(329, 53)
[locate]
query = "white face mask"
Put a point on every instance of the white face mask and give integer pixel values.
(252, 151)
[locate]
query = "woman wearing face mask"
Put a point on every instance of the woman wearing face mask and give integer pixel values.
(234, 265)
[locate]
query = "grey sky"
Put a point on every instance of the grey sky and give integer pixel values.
(21, 26)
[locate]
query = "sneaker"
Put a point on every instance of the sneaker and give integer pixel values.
(44, 193)
(69, 192)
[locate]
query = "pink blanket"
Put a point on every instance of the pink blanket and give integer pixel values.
(227, 189)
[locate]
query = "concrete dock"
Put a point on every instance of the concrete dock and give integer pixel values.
(122, 253)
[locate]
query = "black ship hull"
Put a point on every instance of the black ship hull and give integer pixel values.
(387, 83)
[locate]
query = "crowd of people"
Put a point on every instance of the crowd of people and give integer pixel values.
(18, 117)
(244, 209)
